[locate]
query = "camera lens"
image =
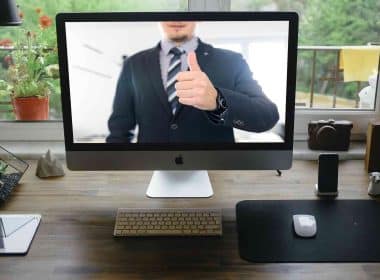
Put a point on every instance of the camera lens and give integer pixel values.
(326, 136)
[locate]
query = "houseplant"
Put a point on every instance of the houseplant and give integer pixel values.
(29, 75)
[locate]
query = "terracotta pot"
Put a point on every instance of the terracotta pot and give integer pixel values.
(31, 108)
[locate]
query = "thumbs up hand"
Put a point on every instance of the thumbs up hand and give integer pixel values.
(193, 62)
(194, 88)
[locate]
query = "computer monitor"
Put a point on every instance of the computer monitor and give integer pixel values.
(178, 92)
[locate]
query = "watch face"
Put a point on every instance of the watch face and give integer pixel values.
(222, 102)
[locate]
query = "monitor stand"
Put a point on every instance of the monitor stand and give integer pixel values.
(169, 184)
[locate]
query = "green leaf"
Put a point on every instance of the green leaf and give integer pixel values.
(3, 167)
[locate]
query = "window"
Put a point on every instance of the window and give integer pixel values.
(326, 29)
(329, 83)
(38, 29)
(325, 88)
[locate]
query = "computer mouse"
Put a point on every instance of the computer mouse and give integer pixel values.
(305, 225)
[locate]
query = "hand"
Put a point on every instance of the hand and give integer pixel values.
(194, 88)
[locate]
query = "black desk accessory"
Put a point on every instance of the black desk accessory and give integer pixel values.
(348, 231)
(329, 135)
(327, 175)
(372, 152)
(9, 13)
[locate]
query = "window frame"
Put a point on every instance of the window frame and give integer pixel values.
(53, 130)
(360, 119)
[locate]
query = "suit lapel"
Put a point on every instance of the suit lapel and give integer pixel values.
(153, 68)
(204, 53)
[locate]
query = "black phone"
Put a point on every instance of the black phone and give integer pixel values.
(328, 165)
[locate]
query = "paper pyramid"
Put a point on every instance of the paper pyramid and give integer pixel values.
(48, 166)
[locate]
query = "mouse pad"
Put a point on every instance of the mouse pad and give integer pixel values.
(347, 231)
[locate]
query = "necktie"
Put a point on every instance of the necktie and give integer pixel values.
(173, 70)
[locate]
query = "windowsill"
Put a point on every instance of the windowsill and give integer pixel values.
(33, 150)
(302, 152)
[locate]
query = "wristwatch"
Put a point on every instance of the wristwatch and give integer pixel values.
(217, 116)
(221, 102)
(221, 107)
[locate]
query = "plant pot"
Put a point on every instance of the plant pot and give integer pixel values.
(31, 108)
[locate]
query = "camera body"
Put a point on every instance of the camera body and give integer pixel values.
(329, 135)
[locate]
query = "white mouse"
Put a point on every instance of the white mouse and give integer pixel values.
(305, 225)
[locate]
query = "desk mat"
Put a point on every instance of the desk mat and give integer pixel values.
(347, 231)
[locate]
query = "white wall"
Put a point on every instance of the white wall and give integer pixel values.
(95, 51)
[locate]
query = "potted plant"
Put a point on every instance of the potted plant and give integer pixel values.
(29, 75)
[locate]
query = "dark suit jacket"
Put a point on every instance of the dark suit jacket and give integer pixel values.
(141, 100)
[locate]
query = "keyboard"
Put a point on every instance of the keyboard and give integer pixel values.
(168, 222)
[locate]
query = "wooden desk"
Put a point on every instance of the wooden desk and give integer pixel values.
(75, 239)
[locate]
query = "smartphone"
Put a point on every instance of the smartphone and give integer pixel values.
(327, 175)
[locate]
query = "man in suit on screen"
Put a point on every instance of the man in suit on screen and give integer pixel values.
(186, 91)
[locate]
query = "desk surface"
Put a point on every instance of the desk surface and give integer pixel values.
(75, 239)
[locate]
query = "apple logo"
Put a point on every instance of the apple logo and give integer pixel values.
(178, 159)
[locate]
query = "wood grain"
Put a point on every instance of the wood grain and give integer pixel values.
(75, 239)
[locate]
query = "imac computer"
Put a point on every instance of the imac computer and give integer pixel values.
(178, 93)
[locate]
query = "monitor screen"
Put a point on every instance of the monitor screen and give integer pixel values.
(177, 82)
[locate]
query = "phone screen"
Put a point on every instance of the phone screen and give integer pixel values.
(328, 172)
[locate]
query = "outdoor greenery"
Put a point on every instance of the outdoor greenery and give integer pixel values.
(34, 68)
(327, 23)
(30, 65)
(322, 22)
(344, 22)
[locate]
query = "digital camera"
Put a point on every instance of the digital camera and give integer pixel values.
(329, 135)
